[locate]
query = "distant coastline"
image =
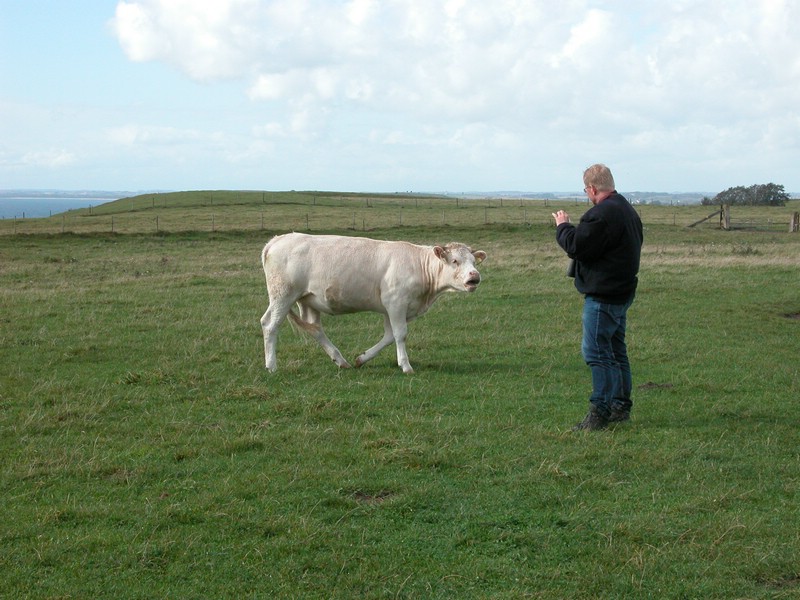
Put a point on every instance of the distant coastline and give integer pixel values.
(33, 204)
(34, 208)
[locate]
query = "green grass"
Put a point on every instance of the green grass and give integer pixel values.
(147, 453)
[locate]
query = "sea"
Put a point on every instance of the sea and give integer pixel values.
(35, 206)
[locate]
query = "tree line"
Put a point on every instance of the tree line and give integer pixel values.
(768, 194)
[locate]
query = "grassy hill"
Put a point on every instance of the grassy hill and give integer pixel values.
(315, 211)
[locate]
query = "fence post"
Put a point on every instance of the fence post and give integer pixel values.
(725, 217)
(794, 226)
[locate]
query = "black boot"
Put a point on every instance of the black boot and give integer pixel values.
(619, 415)
(593, 421)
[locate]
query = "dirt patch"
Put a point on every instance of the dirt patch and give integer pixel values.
(651, 385)
(785, 582)
(372, 498)
(793, 316)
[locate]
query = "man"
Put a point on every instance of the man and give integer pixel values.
(605, 246)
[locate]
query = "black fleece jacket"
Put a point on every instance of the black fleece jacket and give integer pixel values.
(606, 245)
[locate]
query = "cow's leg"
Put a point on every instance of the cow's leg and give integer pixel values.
(313, 318)
(400, 330)
(388, 338)
(395, 328)
(276, 312)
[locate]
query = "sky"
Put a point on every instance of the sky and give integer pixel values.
(398, 95)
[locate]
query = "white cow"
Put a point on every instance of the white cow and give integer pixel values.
(336, 275)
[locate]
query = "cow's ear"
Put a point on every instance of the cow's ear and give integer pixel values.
(480, 256)
(440, 252)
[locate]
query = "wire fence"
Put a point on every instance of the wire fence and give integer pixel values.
(314, 216)
(232, 211)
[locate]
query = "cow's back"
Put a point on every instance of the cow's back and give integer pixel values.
(321, 254)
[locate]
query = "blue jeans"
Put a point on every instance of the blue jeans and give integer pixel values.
(605, 352)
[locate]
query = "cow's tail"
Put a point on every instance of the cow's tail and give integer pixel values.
(299, 324)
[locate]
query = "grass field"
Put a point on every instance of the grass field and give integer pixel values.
(146, 453)
(218, 211)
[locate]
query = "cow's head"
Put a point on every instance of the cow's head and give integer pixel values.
(460, 261)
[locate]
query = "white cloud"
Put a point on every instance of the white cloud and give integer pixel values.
(130, 135)
(585, 38)
(207, 39)
(137, 33)
(575, 75)
(51, 158)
